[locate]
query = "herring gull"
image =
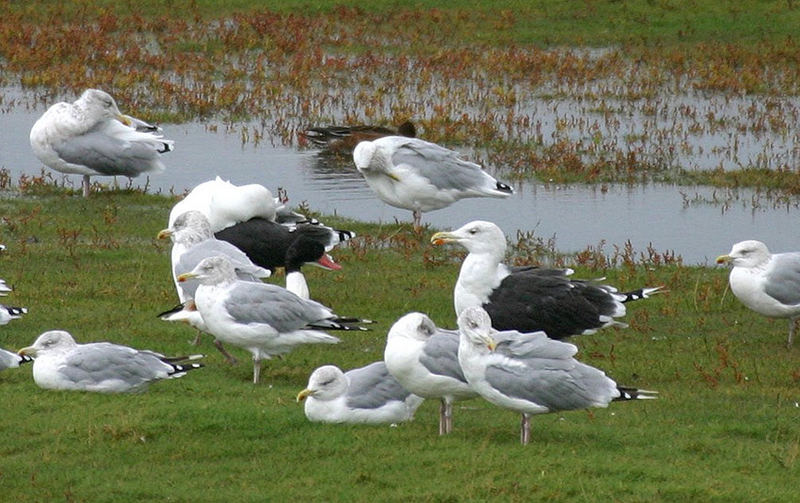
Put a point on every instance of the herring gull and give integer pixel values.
(192, 241)
(364, 395)
(424, 359)
(61, 363)
(530, 373)
(90, 137)
(9, 360)
(768, 283)
(265, 319)
(528, 298)
(421, 176)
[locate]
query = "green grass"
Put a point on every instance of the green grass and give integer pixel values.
(725, 429)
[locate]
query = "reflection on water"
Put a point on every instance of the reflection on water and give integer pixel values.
(577, 216)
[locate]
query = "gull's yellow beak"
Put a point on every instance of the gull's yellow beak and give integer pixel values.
(490, 343)
(124, 119)
(441, 238)
(187, 275)
(304, 394)
(723, 259)
(27, 351)
(164, 233)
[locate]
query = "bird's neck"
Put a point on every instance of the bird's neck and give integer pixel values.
(296, 283)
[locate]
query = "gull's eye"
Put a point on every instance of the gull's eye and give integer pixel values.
(474, 230)
(325, 383)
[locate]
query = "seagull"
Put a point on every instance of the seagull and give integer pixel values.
(424, 359)
(530, 373)
(364, 395)
(421, 176)
(61, 363)
(767, 283)
(265, 319)
(91, 137)
(4, 288)
(9, 360)
(225, 204)
(343, 139)
(192, 242)
(8, 313)
(529, 299)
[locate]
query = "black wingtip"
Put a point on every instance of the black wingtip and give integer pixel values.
(626, 393)
(502, 187)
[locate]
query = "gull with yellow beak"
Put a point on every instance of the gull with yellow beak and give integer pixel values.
(529, 298)
(768, 283)
(63, 364)
(364, 395)
(530, 373)
(91, 137)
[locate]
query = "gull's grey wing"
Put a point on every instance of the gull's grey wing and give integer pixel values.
(273, 305)
(535, 345)
(107, 155)
(440, 355)
(98, 362)
(783, 278)
(555, 384)
(245, 269)
(441, 166)
(373, 386)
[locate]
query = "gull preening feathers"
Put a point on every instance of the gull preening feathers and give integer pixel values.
(424, 359)
(90, 137)
(421, 176)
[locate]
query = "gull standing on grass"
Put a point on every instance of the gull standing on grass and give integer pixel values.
(528, 298)
(364, 395)
(90, 137)
(192, 241)
(62, 364)
(530, 373)
(424, 359)
(767, 283)
(421, 176)
(265, 319)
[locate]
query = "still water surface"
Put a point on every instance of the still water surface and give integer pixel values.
(576, 216)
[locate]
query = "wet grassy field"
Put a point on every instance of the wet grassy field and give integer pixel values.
(473, 74)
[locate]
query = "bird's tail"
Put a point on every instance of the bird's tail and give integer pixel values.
(342, 323)
(626, 393)
(180, 369)
(14, 311)
(641, 293)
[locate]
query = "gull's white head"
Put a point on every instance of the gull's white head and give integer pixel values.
(326, 383)
(189, 228)
(415, 326)
(100, 104)
(54, 340)
(211, 271)
(478, 236)
(475, 327)
(363, 154)
(747, 254)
